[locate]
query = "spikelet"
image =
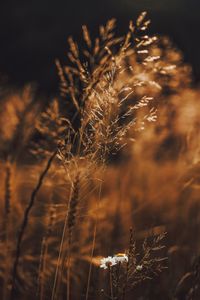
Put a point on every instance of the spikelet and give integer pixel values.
(86, 36)
(73, 206)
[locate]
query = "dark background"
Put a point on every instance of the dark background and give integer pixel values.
(33, 33)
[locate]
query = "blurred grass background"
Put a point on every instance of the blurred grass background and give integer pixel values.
(34, 33)
(152, 185)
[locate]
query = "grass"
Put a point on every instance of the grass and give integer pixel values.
(91, 184)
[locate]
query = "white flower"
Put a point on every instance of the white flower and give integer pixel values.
(121, 258)
(113, 260)
(139, 268)
(107, 262)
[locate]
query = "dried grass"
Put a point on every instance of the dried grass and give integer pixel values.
(121, 150)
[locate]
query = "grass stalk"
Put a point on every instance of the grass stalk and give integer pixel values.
(111, 284)
(6, 227)
(69, 223)
(93, 246)
(25, 221)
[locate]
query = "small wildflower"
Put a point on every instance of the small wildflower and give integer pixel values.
(113, 260)
(121, 257)
(107, 262)
(139, 268)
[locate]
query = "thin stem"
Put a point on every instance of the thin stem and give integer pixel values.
(93, 246)
(68, 272)
(60, 249)
(6, 227)
(111, 284)
(46, 248)
(126, 281)
(40, 273)
(59, 259)
(25, 221)
(7, 189)
(92, 254)
(128, 264)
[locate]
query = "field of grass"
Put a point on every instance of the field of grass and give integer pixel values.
(100, 187)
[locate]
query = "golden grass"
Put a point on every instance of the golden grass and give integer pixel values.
(118, 150)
